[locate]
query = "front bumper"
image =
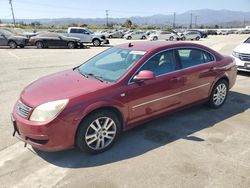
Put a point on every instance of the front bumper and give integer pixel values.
(242, 65)
(106, 41)
(52, 136)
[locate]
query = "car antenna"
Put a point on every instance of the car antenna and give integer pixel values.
(130, 45)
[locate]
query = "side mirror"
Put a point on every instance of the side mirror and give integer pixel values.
(144, 75)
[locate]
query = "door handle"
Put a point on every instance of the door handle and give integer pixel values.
(177, 79)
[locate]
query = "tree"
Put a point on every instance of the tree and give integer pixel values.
(128, 23)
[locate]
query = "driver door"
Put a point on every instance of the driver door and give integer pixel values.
(3, 41)
(153, 97)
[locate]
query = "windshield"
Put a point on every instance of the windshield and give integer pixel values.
(6, 33)
(247, 41)
(111, 64)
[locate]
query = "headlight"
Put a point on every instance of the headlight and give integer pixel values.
(236, 54)
(48, 111)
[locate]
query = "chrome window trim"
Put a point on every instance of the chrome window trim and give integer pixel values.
(130, 81)
(168, 96)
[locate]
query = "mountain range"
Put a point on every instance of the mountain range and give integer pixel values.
(201, 17)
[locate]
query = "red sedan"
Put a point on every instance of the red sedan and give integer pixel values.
(90, 105)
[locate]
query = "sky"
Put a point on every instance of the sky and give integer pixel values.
(33, 9)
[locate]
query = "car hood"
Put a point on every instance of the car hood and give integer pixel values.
(63, 85)
(243, 48)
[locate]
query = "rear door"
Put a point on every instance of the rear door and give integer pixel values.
(155, 96)
(197, 68)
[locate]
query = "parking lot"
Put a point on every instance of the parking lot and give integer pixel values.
(198, 147)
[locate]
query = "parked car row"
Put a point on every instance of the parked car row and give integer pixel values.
(73, 38)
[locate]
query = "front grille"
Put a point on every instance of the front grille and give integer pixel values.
(244, 57)
(23, 110)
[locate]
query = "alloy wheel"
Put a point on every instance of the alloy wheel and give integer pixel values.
(220, 94)
(100, 133)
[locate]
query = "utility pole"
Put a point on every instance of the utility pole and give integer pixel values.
(191, 20)
(174, 20)
(196, 21)
(107, 17)
(13, 16)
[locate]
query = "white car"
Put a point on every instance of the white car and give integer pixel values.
(242, 56)
(162, 35)
(87, 36)
(135, 35)
(190, 35)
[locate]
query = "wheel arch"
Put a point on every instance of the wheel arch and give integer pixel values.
(90, 110)
(223, 77)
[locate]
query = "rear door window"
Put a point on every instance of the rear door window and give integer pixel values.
(190, 57)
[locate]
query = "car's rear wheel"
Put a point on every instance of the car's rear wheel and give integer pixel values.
(219, 94)
(12, 44)
(96, 42)
(71, 45)
(197, 38)
(129, 38)
(39, 44)
(143, 37)
(98, 132)
(155, 38)
(183, 38)
(110, 36)
(171, 38)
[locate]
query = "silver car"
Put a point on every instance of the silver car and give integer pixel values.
(162, 35)
(135, 35)
(190, 35)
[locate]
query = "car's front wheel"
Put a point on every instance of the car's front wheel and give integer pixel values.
(96, 42)
(39, 44)
(71, 45)
(98, 132)
(219, 94)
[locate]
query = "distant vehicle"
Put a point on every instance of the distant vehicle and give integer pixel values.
(12, 40)
(19, 31)
(162, 35)
(242, 56)
(45, 40)
(212, 32)
(90, 105)
(87, 36)
(202, 33)
(222, 32)
(114, 34)
(190, 35)
(135, 35)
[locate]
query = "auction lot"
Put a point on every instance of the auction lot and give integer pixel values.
(197, 147)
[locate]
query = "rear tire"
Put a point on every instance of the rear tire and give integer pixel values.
(219, 94)
(197, 38)
(183, 38)
(155, 38)
(98, 132)
(39, 45)
(143, 37)
(171, 38)
(129, 38)
(12, 44)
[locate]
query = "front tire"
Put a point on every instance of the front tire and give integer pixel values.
(219, 94)
(96, 42)
(71, 45)
(39, 45)
(171, 38)
(98, 132)
(143, 38)
(155, 38)
(197, 38)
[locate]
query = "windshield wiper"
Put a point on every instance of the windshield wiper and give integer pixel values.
(82, 73)
(95, 76)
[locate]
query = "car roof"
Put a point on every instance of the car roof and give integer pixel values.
(151, 46)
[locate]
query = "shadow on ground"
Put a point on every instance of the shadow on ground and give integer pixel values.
(154, 134)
